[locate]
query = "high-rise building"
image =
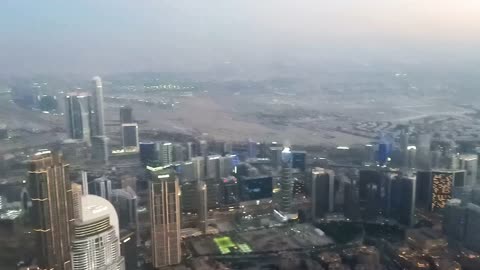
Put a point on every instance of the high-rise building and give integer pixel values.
(286, 181)
(52, 210)
(178, 153)
(77, 112)
(403, 200)
(252, 149)
(125, 203)
(101, 187)
(411, 156)
(130, 136)
(455, 220)
(202, 206)
(98, 115)
(165, 153)
(225, 166)
(147, 152)
(96, 243)
(213, 194)
(126, 115)
(472, 237)
(230, 191)
(100, 149)
(322, 192)
(190, 151)
(276, 156)
(128, 249)
(212, 166)
(299, 159)
(404, 148)
(374, 191)
(164, 192)
(423, 151)
(198, 168)
(469, 163)
(435, 188)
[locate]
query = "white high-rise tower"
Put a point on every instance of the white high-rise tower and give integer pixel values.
(97, 94)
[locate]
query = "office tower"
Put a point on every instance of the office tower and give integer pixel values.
(100, 149)
(255, 187)
(435, 188)
(463, 193)
(130, 136)
(404, 148)
(101, 187)
(198, 168)
(202, 206)
(322, 192)
(472, 237)
(190, 152)
(96, 243)
(299, 160)
(212, 166)
(188, 200)
(178, 153)
(127, 180)
(52, 209)
(469, 163)
(125, 203)
(286, 181)
(384, 150)
(351, 201)
(374, 191)
(77, 113)
(128, 249)
(77, 193)
(423, 151)
(225, 166)
(164, 192)
(436, 159)
(403, 192)
(126, 115)
(230, 191)
(454, 162)
(227, 148)
(455, 220)
(411, 156)
(165, 153)
(203, 148)
(252, 150)
(98, 111)
(213, 194)
(147, 152)
(276, 156)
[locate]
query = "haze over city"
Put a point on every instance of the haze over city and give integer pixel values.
(259, 135)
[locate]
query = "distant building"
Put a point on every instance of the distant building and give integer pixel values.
(225, 166)
(178, 153)
(299, 159)
(423, 152)
(322, 192)
(454, 223)
(403, 193)
(126, 115)
(165, 153)
(469, 163)
(286, 181)
(101, 187)
(255, 187)
(435, 188)
(128, 249)
(164, 204)
(98, 127)
(374, 192)
(230, 191)
(78, 116)
(147, 152)
(52, 210)
(130, 136)
(472, 237)
(125, 203)
(212, 166)
(100, 149)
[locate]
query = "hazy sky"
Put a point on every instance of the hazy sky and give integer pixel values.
(99, 36)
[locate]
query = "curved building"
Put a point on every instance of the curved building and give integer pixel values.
(96, 243)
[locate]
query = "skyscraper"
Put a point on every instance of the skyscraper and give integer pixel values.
(99, 120)
(52, 209)
(126, 115)
(147, 152)
(130, 136)
(101, 187)
(403, 193)
(100, 149)
(322, 192)
(472, 237)
(96, 243)
(469, 163)
(125, 202)
(77, 111)
(164, 192)
(165, 153)
(286, 181)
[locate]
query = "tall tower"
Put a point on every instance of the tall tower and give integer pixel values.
(322, 195)
(77, 111)
(286, 181)
(97, 236)
(164, 192)
(99, 128)
(52, 209)
(126, 115)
